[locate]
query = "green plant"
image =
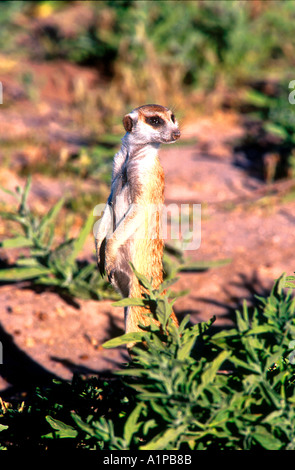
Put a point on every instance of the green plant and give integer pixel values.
(97, 160)
(187, 389)
(290, 282)
(46, 264)
(193, 46)
(237, 392)
(24, 425)
(175, 261)
(8, 25)
(273, 121)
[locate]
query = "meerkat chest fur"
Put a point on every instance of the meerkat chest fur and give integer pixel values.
(140, 180)
(144, 175)
(138, 189)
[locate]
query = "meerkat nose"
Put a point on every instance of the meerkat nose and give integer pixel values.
(176, 135)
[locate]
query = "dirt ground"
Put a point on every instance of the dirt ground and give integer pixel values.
(244, 221)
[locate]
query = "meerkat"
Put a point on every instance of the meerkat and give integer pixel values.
(129, 230)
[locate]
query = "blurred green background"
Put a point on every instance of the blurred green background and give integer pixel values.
(196, 56)
(158, 50)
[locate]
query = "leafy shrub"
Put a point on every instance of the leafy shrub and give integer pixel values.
(238, 395)
(188, 389)
(49, 265)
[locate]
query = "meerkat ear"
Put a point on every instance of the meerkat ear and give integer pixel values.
(128, 123)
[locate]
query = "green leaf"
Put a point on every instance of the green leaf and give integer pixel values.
(163, 311)
(3, 427)
(79, 290)
(243, 318)
(22, 274)
(17, 242)
(189, 336)
(131, 426)
(201, 327)
(7, 191)
(258, 99)
(290, 282)
(266, 439)
(274, 416)
(28, 262)
(125, 339)
(167, 283)
(185, 350)
(47, 219)
(80, 240)
(276, 130)
(142, 279)
(212, 368)
(183, 324)
(204, 265)
(61, 429)
(82, 425)
(86, 271)
(162, 440)
(127, 302)
(24, 195)
(49, 281)
(150, 424)
(59, 257)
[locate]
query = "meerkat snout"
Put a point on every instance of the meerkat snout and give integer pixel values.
(176, 134)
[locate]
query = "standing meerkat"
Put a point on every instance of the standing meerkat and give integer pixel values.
(129, 230)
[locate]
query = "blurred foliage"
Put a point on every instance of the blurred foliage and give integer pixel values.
(269, 119)
(95, 161)
(174, 262)
(49, 263)
(161, 50)
(8, 26)
(194, 56)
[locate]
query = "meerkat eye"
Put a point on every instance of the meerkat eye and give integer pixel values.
(154, 121)
(173, 118)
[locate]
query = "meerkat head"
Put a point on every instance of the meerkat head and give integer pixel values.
(151, 123)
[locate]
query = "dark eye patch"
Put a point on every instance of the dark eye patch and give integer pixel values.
(154, 121)
(173, 118)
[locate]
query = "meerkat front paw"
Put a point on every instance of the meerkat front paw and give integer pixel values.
(110, 262)
(111, 275)
(110, 268)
